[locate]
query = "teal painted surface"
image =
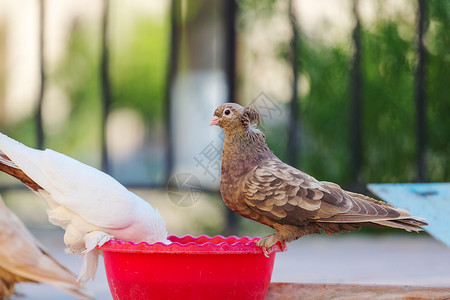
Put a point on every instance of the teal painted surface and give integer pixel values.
(430, 201)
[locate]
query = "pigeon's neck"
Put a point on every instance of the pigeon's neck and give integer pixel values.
(243, 150)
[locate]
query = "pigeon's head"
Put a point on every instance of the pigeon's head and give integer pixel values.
(232, 116)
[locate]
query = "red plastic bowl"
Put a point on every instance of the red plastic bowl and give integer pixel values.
(189, 268)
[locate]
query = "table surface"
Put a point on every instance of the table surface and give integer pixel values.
(283, 291)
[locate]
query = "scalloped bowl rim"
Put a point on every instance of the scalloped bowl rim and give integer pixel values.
(209, 245)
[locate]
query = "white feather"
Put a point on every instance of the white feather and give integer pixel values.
(83, 199)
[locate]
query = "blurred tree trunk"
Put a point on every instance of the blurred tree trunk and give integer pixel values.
(105, 84)
(356, 102)
(38, 115)
(294, 124)
(420, 94)
(204, 35)
(172, 66)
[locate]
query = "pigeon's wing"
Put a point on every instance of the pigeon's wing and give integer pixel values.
(367, 209)
(289, 196)
(85, 191)
(282, 193)
(23, 259)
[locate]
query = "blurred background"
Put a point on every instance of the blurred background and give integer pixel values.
(349, 91)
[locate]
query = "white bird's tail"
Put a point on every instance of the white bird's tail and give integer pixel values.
(30, 160)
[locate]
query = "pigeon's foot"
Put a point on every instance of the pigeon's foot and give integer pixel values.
(266, 243)
(94, 239)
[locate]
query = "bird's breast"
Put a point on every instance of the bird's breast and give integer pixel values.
(231, 184)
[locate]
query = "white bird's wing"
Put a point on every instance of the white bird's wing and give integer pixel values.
(95, 196)
(90, 205)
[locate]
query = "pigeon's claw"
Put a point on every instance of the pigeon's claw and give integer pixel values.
(94, 239)
(266, 243)
(266, 251)
(283, 246)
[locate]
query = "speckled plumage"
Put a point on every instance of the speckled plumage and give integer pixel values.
(259, 186)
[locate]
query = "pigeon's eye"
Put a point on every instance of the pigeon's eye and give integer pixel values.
(227, 112)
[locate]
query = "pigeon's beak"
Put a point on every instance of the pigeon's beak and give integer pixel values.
(214, 121)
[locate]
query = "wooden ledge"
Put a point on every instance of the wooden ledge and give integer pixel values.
(291, 291)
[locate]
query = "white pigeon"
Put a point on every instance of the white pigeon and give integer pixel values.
(23, 259)
(90, 205)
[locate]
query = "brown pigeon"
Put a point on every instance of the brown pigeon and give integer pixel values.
(259, 186)
(23, 259)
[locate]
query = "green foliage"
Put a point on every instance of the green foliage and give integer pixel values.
(389, 62)
(250, 10)
(79, 76)
(388, 105)
(438, 90)
(25, 129)
(138, 74)
(139, 70)
(325, 112)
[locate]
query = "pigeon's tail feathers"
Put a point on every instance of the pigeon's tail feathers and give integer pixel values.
(409, 224)
(21, 162)
(89, 266)
(394, 217)
(365, 210)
